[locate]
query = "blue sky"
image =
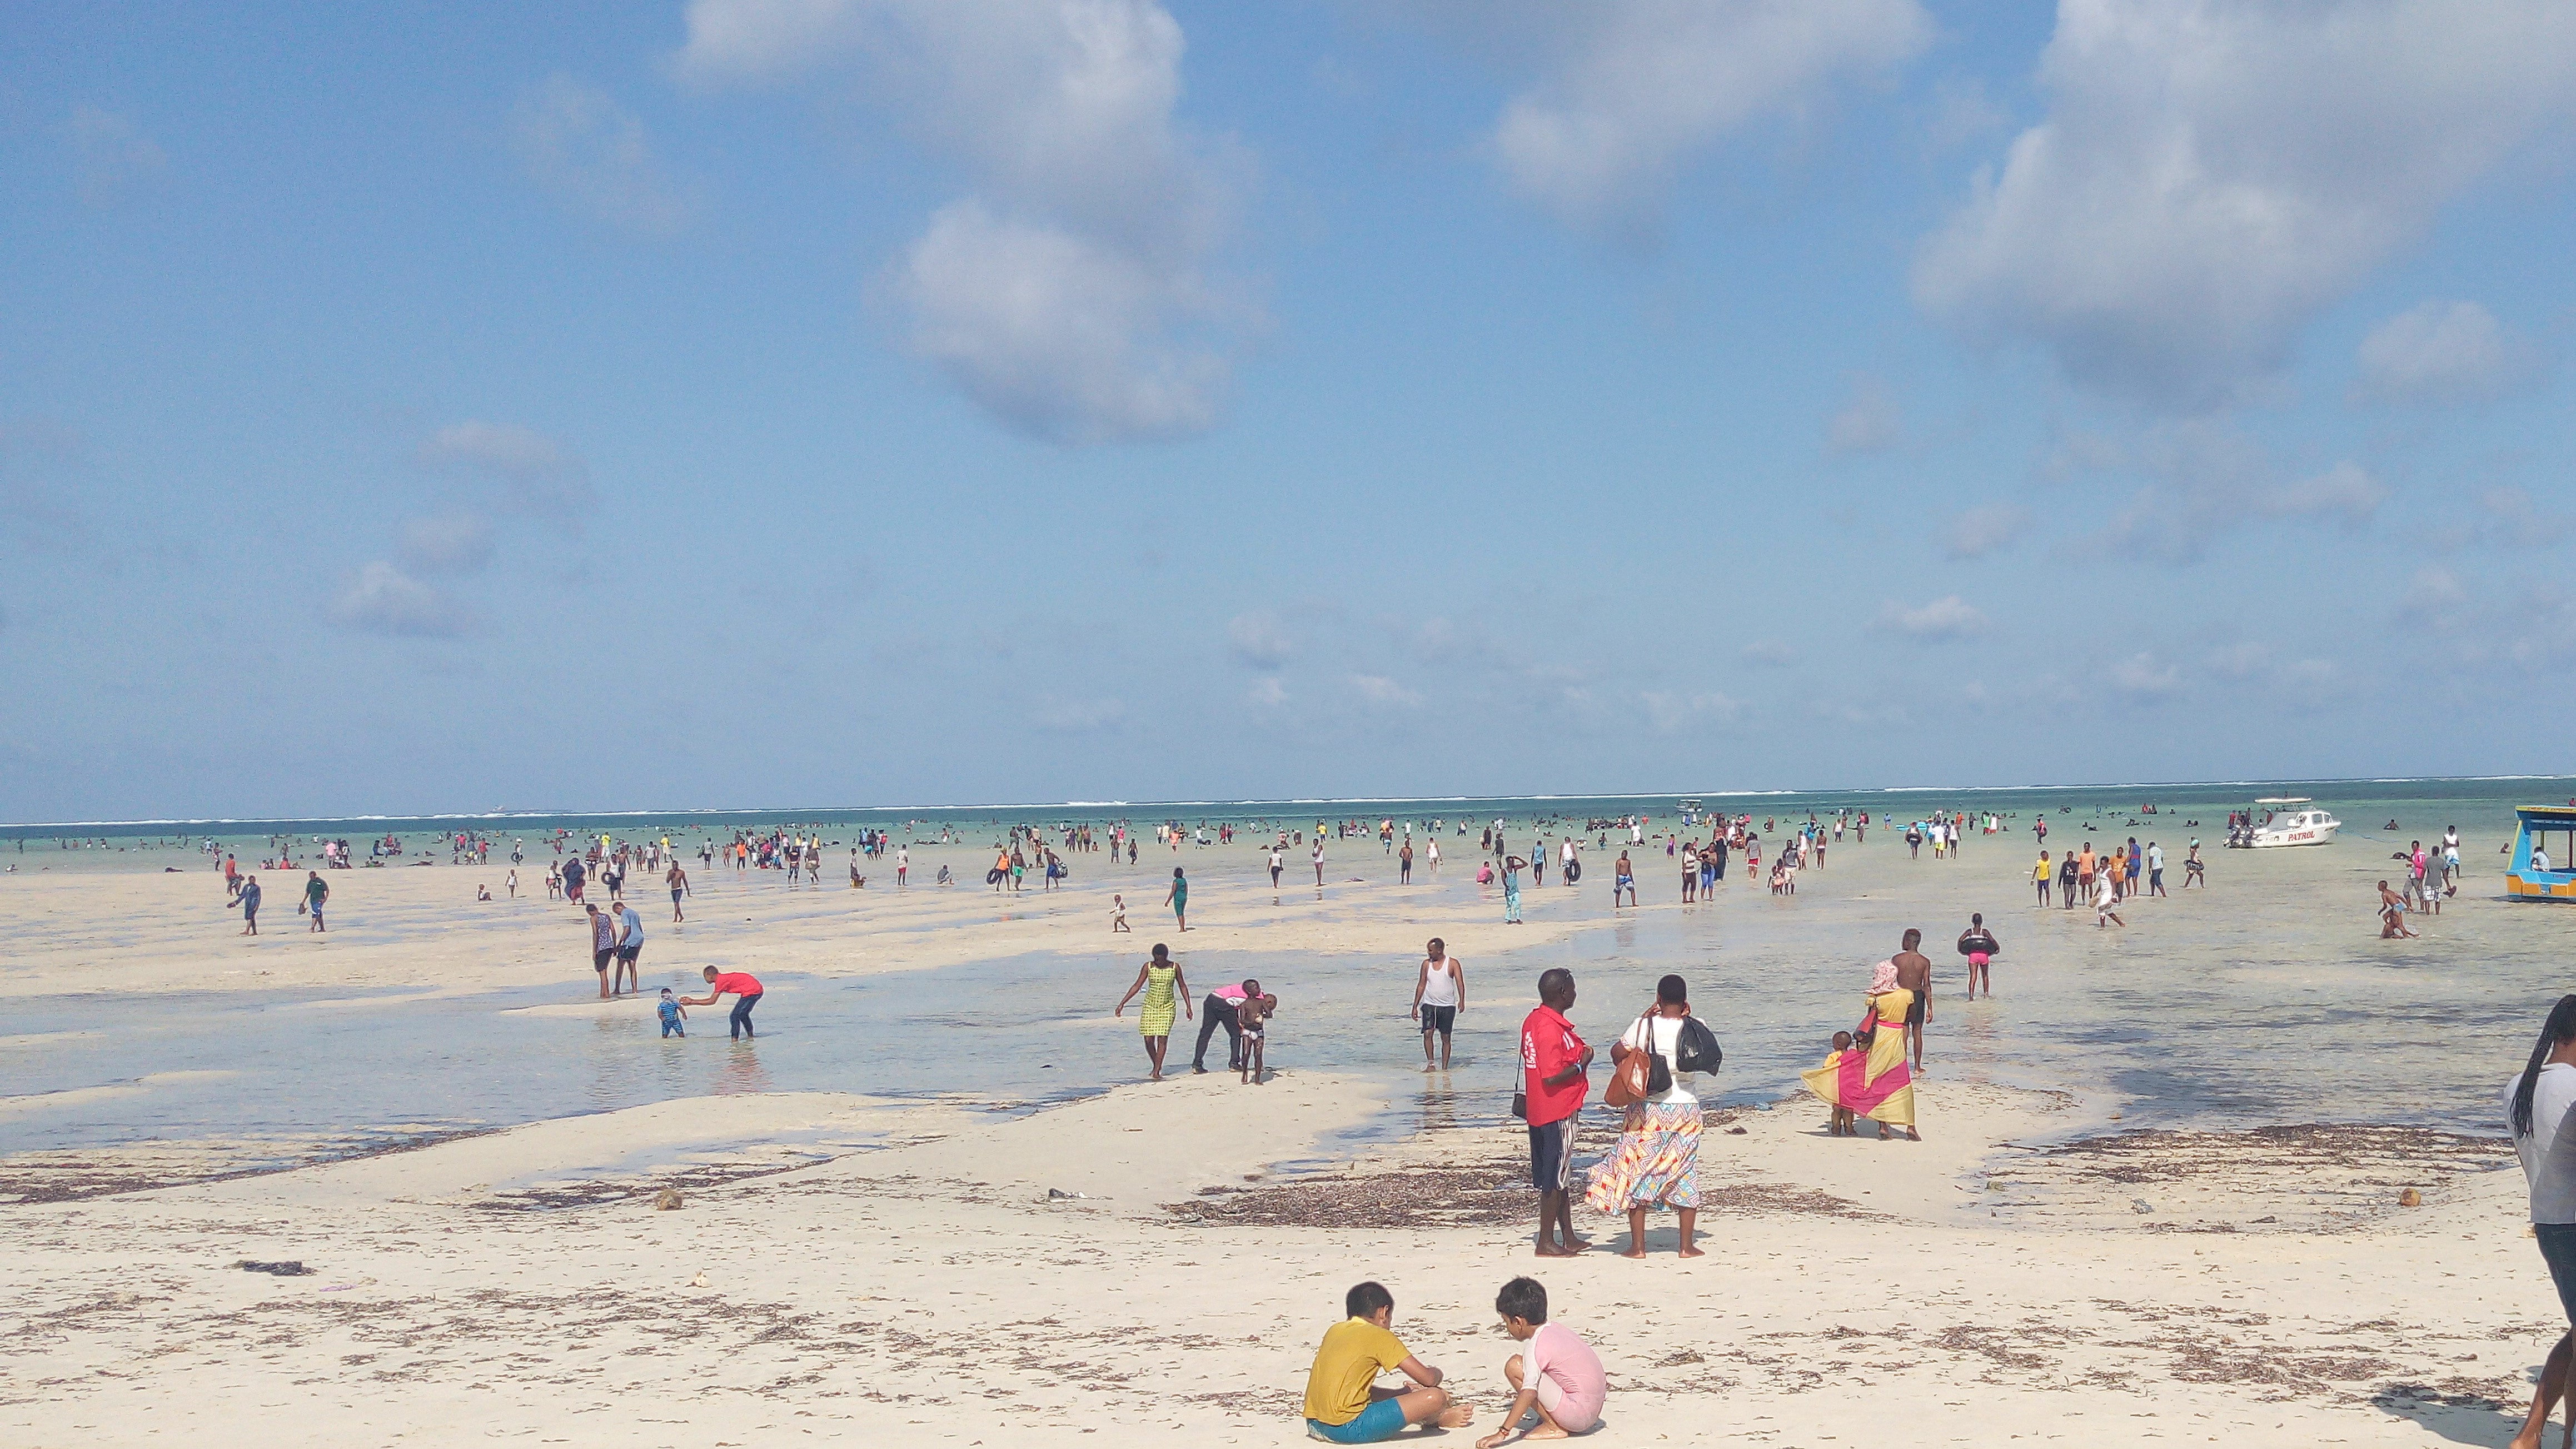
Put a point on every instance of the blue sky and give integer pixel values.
(768, 402)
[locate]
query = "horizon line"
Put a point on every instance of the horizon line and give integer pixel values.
(1122, 805)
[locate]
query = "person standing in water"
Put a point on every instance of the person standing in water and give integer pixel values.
(1179, 898)
(1981, 948)
(745, 988)
(1439, 994)
(1914, 975)
(1161, 981)
(1512, 890)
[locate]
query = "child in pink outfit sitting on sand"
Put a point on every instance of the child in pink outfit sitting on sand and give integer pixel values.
(1558, 1377)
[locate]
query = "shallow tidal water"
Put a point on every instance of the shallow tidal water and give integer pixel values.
(2265, 998)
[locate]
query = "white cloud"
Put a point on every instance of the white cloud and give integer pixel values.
(2143, 676)
(2436, 353)
(1944, 618)
(1257, 640)
(538, 475)
(1769, 651)
(1984, 529)
(2208, 479)
(1378, 689)
(1071, 293)
(2520, 521)
(382, 599)
(1671, 713)
(1062, 336)
(592, 153)
(1267, 692)
(454, 543)
(2345, 494)
(2210, 176)
(1867, 422)
(1631, 91)
(111, 155)
(2435, 591)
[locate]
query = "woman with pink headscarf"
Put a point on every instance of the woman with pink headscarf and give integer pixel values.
(1873, 1080)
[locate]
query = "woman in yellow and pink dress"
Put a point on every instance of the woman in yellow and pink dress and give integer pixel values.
(1875, 1082)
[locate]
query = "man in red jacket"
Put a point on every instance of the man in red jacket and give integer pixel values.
(1553, 1059)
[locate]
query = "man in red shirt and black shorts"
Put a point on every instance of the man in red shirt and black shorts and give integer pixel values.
(746, 991)
(1553, 1058)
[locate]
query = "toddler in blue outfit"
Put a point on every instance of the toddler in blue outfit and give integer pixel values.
(673, 1013)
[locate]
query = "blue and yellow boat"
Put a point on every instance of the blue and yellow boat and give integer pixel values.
(2523, 880)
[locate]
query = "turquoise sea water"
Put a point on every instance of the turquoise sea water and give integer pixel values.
(2265, 999)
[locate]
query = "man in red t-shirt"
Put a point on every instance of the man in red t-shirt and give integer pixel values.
(1552, 1061)
(746, 990)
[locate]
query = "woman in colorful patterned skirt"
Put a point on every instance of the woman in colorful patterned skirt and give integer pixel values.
(1656, 1162)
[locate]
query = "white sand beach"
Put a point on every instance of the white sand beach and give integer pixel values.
(936, 1264)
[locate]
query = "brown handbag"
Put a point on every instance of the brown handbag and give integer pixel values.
(1629, 1083)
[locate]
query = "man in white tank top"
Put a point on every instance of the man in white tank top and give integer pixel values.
(1439, 994)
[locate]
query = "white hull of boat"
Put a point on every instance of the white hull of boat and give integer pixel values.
(2300, 835)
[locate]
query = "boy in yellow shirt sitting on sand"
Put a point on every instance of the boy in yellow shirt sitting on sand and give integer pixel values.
(1344, 1405)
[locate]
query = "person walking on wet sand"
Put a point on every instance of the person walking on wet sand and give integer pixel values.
(1178, 898)
(249, 899)
(678, 880)
(1161, 980)
(316, 891)
(1512, 889)
(2392, 915)
(1553, 1060)
(603, 946)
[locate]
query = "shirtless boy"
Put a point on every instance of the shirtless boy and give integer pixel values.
(1250, 1013)
(1914, 973)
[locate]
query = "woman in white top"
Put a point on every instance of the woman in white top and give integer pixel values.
(2538, 1107)
(1656, 1162)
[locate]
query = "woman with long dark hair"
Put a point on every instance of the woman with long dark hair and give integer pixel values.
(2544, 1136)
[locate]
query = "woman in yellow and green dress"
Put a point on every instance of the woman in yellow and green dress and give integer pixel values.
(1160, 979)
